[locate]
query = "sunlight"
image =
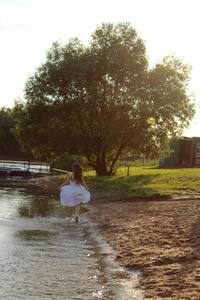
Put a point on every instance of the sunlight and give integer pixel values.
(29, 27)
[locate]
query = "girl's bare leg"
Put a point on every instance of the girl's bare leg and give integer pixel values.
(70, 213)
(77, 211)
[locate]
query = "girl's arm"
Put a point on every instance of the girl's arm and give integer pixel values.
(66, 182)
(85, 186)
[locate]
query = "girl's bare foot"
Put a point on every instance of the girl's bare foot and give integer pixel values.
(76, 219)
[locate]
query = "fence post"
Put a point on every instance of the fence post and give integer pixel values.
(128, 171)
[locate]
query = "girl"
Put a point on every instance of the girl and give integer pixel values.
(76, 192)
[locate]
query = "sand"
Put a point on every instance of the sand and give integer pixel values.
(159, 238)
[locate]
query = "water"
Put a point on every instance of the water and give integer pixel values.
(43, 256)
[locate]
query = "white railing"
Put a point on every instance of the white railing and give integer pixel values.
(26, 165)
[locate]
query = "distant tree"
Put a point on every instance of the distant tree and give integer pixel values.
(9, 145)
(100, 100)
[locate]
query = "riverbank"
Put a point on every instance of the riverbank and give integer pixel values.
(160, 238)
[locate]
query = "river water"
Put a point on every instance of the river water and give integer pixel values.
(43, 256)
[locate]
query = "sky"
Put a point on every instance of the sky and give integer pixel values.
(29, 27)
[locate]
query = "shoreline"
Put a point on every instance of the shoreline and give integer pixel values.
(126, 280)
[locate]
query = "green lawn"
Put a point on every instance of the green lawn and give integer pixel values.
(146, 181)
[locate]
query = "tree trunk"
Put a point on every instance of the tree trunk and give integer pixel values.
(110, 172)
(100, 165)
(101, 168)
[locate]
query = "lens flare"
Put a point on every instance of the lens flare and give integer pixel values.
(151, 120)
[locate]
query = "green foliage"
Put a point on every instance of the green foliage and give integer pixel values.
(145, 182)
(95, 101)
(67, 162)
(9, 145)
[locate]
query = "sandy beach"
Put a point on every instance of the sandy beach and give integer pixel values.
(159, 238)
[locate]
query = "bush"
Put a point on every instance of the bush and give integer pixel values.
(66, 163)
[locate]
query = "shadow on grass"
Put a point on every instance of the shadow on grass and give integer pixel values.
(141, 179)
(125, 188)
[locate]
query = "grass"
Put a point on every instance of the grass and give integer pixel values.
(143, 182)
(147, 181)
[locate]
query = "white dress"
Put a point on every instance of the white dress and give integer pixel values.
(73, 194)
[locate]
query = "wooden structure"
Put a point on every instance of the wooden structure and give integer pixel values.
(186, 153)
(5, 172)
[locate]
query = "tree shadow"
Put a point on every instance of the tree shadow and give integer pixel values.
(141, 179)
(137, 186)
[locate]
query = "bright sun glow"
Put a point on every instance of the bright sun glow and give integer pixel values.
(28, 28)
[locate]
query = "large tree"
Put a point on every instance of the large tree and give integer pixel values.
(100, 100)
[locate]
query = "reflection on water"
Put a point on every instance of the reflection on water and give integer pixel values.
(43, 256)
(35, 235)
(41, 206)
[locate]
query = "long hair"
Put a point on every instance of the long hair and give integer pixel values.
(78, 173)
